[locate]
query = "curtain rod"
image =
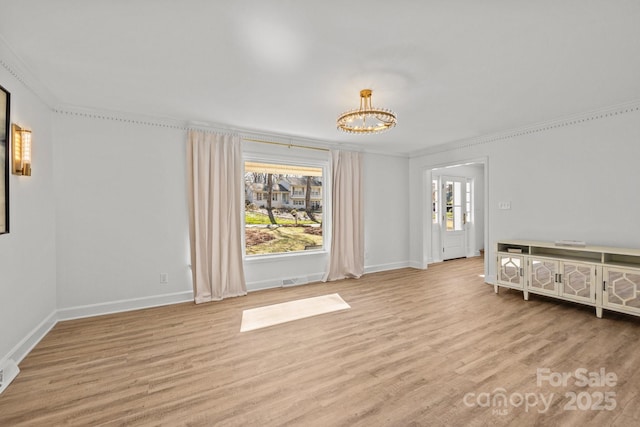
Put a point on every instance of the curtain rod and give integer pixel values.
(284, 144)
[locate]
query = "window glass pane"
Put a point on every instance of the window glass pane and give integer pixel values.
(283, 208)
(469, 209)
(434, 201)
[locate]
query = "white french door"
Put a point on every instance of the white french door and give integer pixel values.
(454, 217)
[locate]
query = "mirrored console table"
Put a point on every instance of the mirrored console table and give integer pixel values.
(603, 277)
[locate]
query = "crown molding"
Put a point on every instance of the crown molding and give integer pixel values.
(571, 120)
(186, 125)
(120, 116)
(172, 123)
(11, 62)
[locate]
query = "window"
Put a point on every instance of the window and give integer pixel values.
(468, 210)
(282, 224)
(434, 201)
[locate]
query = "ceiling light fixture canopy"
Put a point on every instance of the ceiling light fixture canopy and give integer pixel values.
(366, 119)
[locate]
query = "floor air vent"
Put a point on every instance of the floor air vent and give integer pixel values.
(294, 281)
(8, 371)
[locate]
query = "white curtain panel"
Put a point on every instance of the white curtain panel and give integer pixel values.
(215, 215)
(347, 223)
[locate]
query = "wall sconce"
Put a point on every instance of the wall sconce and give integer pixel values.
(21, 151)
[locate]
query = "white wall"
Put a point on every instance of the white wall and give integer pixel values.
(386, 222)
(27, 253)
(567, 181)
(122, 216)
(121, 212)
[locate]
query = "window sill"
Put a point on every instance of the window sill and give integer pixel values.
(257, 259)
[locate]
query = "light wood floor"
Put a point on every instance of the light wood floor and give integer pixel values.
(412, 346)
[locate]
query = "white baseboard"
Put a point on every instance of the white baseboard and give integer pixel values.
(123, 305)
(317, 277)
(386, 267)
(418, 265)
(284, 282)
(24, 347)
(27, 344)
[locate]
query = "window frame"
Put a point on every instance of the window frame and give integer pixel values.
(325, 200)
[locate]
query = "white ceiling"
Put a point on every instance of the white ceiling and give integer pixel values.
(450, 69)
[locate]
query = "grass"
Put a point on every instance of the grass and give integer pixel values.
(285, 239)
(254, 218)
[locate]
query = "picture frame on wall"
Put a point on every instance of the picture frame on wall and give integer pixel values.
(5, 117)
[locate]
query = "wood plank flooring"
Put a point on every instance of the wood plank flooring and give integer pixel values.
(434, 347)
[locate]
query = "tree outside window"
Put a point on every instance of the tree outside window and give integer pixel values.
(283, 208)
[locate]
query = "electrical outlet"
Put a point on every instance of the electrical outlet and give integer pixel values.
(164, 278)
(504, 205)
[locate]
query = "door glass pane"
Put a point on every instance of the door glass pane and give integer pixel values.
(457, 218)
(457, 193)
(448, 192)
(434, 201)
(468, 199)
(454, 207)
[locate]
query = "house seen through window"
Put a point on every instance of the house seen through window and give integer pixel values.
(283, 208)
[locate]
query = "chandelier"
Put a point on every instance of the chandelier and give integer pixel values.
(366, 119)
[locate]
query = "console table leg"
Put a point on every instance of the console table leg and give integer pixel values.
(526, 295)
(495, 288)
(599, 312)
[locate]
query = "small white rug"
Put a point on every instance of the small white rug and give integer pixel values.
(270, 315)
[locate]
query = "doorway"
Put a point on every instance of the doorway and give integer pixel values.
(458, 219)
